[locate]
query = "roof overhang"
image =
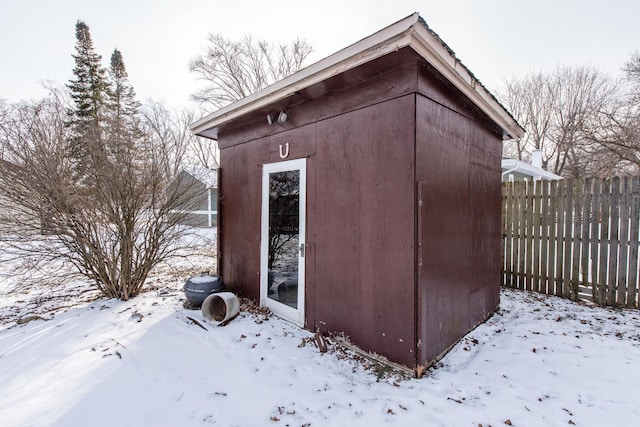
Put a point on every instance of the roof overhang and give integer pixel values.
(513, 166)
(412, 32)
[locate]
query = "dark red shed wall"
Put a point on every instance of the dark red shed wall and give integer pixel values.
(457, 171)
(239, 216)
(364, 227)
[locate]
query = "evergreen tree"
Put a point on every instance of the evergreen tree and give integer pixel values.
(123, 108)
(88, 91)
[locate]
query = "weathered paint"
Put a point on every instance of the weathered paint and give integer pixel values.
(403, 205)
(365, 224)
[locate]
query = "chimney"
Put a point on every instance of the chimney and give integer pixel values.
(536, 158)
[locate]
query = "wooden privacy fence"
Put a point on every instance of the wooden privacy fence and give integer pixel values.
(573, 238)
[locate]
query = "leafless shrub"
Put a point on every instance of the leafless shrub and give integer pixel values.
(113, 224)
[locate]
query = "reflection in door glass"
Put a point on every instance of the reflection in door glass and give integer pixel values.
(284, 213)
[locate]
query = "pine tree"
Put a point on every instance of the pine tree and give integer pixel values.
(123, 108)
(88, 91)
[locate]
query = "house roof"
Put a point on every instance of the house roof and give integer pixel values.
(207, 176)
(411, 31)
(517, 167)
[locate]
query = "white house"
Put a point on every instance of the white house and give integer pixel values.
(202, 184)
(517, 170)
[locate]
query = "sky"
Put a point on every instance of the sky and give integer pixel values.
(495, 39)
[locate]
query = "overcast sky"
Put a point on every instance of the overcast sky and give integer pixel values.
(495, 39)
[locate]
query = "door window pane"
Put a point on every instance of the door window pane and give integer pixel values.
(284, 233)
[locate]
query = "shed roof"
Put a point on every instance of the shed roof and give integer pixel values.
(411, 31)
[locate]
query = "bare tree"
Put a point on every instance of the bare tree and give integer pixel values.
(632, 74)
(560, 110)
(113, 225)
(618, 131)
(528, 99)
(233, 70)
(171, 128)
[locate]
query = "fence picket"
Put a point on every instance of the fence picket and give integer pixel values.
(596, 219)
(623, 239)
(553, 237)
(536, 237)
(605, 198)
(560, 213)
(544, 236)
(567, 240)
(634, 238)
(521, 227)
(504, 224)
(529, 215)
(613, 241)
(585, 239)
(576, 235)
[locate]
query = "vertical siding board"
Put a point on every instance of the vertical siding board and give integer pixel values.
(604, 242)
(613, 241)
(634, 233)
(623, 261)
(544, 236)
(576, 239)
(596, 219)
(585, 237)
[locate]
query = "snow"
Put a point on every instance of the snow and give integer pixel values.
(203, 279)
(540, 361)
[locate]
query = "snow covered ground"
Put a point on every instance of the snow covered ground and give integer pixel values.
(539, 361)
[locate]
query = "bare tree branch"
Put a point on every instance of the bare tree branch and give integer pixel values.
(561, 111)
(233, 70)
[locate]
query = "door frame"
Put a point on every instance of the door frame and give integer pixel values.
(282, 310)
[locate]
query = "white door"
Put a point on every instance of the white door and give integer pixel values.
(283, 238)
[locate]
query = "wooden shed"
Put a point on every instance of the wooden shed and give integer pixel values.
(362, 194)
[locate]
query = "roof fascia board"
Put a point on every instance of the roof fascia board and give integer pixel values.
(432, 49)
